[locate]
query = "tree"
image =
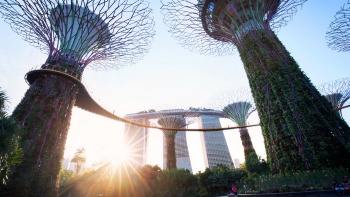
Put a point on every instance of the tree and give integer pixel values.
(148, 180)
(177, 183)
(65, 176)
(79, 159)
(255, 164)
(10, 151)
(218, 180)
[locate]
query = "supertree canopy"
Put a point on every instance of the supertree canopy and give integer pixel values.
(172, 122)
(75, 34)
(299, 125)
(337, 92)
(338, 35)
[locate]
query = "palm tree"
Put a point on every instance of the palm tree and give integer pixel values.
(10, 151)
(79, 159)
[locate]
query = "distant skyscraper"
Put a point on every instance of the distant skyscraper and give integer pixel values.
(237, 163)
(181, 151)
(135, 139)
(66, 164)
(215, 149)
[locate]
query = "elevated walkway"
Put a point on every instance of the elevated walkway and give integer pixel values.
(86, 102)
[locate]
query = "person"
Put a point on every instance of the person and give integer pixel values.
(234, 189)
(343, 186)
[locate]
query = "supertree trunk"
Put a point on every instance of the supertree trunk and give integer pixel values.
(246, 142)
(74, 34)
(299, 126)
(170, 149)
(171, 121)
(45, 113)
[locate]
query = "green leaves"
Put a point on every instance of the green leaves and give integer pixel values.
(10, 152)
(79, 159)
(298, 124)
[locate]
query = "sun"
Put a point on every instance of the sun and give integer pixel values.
(119, 156)
(102, 139)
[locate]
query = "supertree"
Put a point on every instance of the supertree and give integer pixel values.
(299, 125)
(338, 35)
(238, 105)
(173, 122)
(337, 92)
(75, 34)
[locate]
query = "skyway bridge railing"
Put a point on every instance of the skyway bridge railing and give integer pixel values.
(86, 102)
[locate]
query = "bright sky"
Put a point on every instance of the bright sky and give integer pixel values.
(169, 77)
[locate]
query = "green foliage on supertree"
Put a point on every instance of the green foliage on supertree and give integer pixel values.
(246, 142)
(74, 35)
(301, 131)
(44, 113)
(300, 128)
(10, 150)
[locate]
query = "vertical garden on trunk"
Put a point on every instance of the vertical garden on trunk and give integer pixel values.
(74, 34)
(299, 125)
(300, 128)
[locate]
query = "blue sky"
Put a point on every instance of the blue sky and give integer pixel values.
(170, 76)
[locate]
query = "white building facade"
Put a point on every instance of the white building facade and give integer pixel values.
(136, 140)
(215, 149)
(181, 151)
(213, 143)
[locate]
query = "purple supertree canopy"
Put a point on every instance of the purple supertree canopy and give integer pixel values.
(337, 92)
(338, 35)
(105, 33)
(200, 24)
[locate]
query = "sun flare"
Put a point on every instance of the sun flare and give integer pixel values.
(119, 156)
